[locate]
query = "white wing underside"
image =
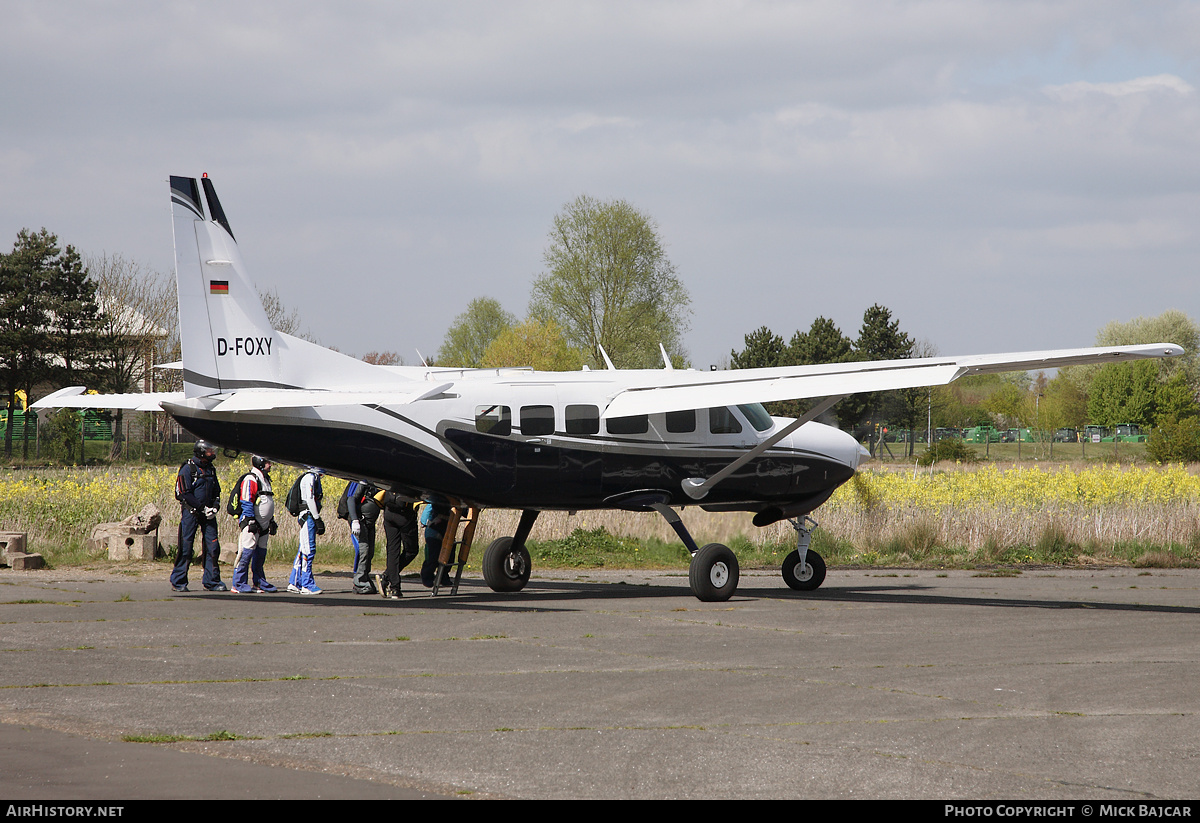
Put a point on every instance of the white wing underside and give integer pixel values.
(681, 390)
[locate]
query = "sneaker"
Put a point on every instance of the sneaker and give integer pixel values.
(264, 586)
(309, 590)
(383, 588)
(293, 588)
(217, 587)
(179, 588)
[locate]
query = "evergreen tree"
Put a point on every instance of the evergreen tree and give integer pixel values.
(764, 349)
(822, 343)
(48, 317)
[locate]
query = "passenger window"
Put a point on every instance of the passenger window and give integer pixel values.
(537, 420)
(722, 421)
(493, 420)
(680, 422)
(637, 424)
(583, 420)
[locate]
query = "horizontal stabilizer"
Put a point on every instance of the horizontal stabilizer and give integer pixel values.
(74, 397)
(267, 399)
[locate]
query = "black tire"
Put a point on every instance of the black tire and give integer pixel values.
(506, 569)
(713, 574)
(807, 579)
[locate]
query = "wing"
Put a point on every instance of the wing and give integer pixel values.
(680, 390)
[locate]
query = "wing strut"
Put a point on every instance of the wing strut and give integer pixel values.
(697, 488)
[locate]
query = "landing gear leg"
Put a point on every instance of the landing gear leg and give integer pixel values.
(803, 570)
(713, 574)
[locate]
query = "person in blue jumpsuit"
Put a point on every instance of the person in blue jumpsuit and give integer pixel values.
(257, 519)
(434, 517)
(311, 525)
(199, 494)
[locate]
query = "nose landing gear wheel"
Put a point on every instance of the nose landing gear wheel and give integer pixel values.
(505, 568)
(806, 578)
(713, 574)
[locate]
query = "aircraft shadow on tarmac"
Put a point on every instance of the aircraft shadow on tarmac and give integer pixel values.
(551, 595)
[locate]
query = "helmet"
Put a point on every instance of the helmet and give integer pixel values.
(259, 462)
(204, 450)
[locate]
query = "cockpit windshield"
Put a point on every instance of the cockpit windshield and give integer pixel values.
(757, 415)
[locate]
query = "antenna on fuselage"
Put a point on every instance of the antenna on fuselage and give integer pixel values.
(420, 357)
(666, 359)
(607, 361)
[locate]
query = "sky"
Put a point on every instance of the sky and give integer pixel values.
(1002, 176)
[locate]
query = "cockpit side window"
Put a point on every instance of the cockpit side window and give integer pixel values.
(722, 421)
(495, 420)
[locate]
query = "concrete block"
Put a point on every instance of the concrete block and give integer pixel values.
(132, 547)
(26, 562)
(13, 542)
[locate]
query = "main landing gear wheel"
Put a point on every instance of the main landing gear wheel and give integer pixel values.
(505, 568)
(713, 574)
(805, 579)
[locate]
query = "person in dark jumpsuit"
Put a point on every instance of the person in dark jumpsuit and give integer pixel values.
(363, 512)
(400, 528)
(199, 494)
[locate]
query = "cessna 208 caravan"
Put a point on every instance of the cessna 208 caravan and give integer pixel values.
(521, 439)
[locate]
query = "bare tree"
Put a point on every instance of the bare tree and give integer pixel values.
(281, 317)
(139, 328)
(383, 358)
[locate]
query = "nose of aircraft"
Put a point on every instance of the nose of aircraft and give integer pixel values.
(832, 443)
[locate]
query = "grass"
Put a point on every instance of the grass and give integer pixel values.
(942, 517)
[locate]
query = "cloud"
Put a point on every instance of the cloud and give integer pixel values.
(1138, 85)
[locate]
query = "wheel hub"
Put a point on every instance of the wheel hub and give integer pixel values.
(719, 574)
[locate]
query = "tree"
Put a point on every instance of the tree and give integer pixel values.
(538, 344)
(610, 284)
(47, 311)
(383, 358)
(472, 332)
(880, 338)
(1175, 401)
(1124, 393)
(282, 318)
(75, 317)
(764, 349)
(139, 318)
(822, 343)
(139, 328)
(1172, 326)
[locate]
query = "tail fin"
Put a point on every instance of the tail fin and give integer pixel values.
(227, 341)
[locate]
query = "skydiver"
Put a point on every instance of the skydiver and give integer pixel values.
(434, 518)
(403, 543)
(199, 494)
(362, 512)
(311, 525)
(257, 519)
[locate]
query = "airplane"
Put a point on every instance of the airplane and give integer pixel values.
(645, 439)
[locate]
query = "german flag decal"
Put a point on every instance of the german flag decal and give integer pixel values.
(218, 287)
